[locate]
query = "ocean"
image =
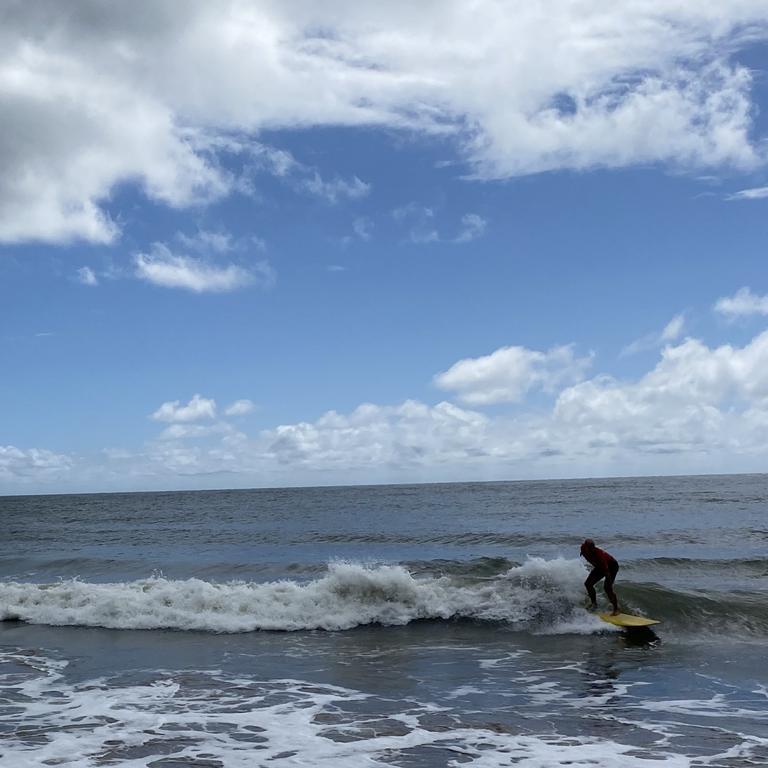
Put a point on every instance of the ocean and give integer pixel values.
(416, 626)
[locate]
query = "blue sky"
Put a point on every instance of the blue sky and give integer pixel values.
(280, 245)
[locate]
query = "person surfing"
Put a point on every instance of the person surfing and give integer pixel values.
(604, 566)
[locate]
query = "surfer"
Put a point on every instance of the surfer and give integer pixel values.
(604, 566)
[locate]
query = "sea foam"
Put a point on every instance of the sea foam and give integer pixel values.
(210, 718)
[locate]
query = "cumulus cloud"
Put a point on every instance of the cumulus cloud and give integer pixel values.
(671, 332)
(164, 268)
(32, 464)
(72, 130)
(197, 409)
(96, 95)
(696, 398)
(742, 304)
(506, 375)
(239, 408)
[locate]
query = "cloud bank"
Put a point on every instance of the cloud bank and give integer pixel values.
(698, 409)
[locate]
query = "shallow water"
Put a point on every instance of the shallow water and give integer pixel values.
(410, 625)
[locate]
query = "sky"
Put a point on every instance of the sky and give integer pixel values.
(253, 243)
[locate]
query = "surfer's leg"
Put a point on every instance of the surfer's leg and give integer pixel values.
(608, 587)
(594, 576)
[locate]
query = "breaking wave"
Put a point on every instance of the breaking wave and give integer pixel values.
(540, 596)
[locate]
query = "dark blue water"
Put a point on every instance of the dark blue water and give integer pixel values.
(405, 625)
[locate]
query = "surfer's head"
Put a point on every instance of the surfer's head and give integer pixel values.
(587, 546)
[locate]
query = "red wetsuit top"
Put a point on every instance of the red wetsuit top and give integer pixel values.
(599, 558)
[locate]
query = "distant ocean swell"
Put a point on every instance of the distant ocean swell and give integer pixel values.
(538, 596)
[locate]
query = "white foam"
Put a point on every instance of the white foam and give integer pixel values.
(540, 595)
(508, 659)
(239, 723)
(718, 706)
(462, 691)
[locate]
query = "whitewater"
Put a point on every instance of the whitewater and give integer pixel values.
(537, 594)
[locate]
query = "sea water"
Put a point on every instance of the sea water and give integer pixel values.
(429, 625)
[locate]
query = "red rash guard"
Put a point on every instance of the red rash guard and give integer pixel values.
(598, 558)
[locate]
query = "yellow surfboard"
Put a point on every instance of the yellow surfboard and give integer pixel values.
(627, 620)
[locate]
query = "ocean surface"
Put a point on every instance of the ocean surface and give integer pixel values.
(416, 626)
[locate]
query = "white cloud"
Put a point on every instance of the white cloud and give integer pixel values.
(472, 227)
(301, 177)
(97, 96)
(164, 268)
(87, 276)
(32, 464)
(73, 128)
(196, 409)
(698, 409)
(712, 401)
(420, 221)
(671, 332)
(756, 193)
(506, 375)
(239, 408)
(335, 190)
(193, 431)
(742, 304)
(211, 243)
(395, 436)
